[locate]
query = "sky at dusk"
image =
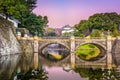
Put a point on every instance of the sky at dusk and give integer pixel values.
(63, 12)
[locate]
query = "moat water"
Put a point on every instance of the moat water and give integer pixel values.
(19, 67)
(12, 68)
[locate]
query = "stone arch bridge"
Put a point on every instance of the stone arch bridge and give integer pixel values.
(72, 44)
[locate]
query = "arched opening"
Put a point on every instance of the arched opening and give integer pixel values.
(55, 51)
(90, 52)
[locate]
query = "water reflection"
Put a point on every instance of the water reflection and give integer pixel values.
(57, 73)
(32, 74)
(98, 74)
(8, 64)
(90, 52)
(14, 68)
(55, 52)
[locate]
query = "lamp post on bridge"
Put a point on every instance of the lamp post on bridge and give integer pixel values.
(19, 35)
(35, 52)
(109, 54)
(72, 51)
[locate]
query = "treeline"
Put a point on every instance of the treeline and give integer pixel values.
(22, 10)
(98, 24)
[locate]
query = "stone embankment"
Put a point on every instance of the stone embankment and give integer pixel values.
(8, 42)
(10, 45)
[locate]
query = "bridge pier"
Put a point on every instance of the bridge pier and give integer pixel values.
(72, 51)
(109, 54)
(35, 52)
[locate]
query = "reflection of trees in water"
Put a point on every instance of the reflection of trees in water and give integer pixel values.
(98, 74)
(33, 74)
(24, 71)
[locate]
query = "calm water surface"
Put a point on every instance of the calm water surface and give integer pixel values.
(20, 67)
(57, 73)
(13, 66)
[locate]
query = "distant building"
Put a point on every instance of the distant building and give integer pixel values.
(67, 31)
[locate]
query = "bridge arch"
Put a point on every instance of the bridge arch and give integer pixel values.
(54, 57)
(48, 43)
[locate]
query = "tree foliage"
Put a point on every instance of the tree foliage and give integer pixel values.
(96, 33)
(22, 10)
(12, 7)
(101, 21)
(34, 24)
(51, 34)
(16, 7)
(31, 4)
(49, 31)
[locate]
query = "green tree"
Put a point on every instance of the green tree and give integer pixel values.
(49, 31)
(12, 7)
(115, 33)
(31, 4)
(35, 24)
(101, 21)
(16, 8)
(51, 34)
(81, 27)
(22, 10)
(96, 33)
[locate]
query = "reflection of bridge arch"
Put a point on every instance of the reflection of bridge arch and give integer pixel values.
(44, 42)
(101, 45)
(42, 50)
(102, 50)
